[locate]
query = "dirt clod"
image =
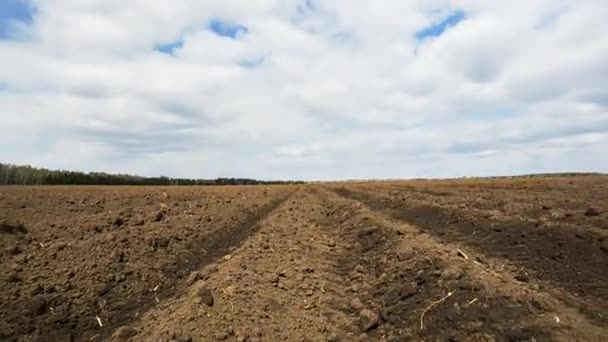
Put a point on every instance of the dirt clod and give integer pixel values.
(206, 296)
(356, 304)
(368, 320)
(333, 337)
(161, 242)
(158, 216)
(38, 306)
(408, 290)
(192, 278)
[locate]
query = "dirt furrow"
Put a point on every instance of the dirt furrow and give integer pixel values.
(426, 288)
(571, 264)
(72, 278)
(279, 285)
(198, 254)
(460, 260)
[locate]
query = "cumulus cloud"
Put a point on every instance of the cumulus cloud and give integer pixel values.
(305, 89)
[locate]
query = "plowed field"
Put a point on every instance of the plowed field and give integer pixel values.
(461, 260)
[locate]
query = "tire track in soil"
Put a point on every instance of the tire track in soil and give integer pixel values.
(199, 254)
(402, 271)
(565, 260)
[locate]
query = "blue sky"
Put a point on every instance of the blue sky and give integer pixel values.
(305, 89)
(227, 29)
(219, 27)
(11, 12)
(171, 47)
(437, 29)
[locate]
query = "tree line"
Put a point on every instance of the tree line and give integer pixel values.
(28, 175)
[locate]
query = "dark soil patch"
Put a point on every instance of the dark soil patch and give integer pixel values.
(404, 284)
(565, 258)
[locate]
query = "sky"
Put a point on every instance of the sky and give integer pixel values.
(305, 89)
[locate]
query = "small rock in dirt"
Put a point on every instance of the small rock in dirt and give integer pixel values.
(206, 296)
(309, 293)
(331, 243)
(227, 257)
(139, 222)
(124, 333)
(592, 211)
(369, 320)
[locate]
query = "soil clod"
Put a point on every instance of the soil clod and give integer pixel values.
(206, 296)
(369, 320)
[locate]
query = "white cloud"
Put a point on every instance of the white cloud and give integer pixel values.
(334, 89)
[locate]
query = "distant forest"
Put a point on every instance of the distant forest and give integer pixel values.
(27, 175)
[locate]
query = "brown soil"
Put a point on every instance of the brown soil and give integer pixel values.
(471, 260)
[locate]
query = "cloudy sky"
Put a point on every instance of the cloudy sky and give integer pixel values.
(305, 89)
